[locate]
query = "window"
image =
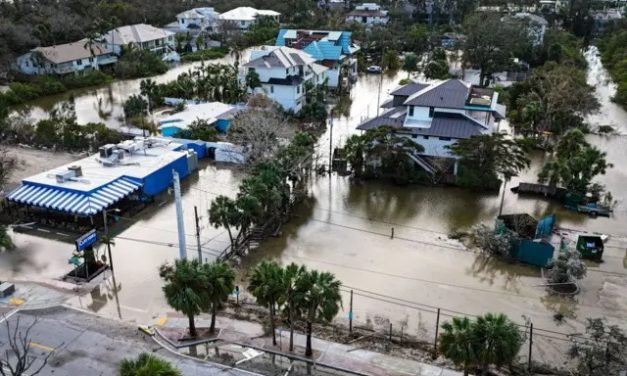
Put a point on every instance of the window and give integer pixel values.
(431, 110)
(414, 136)
(411, 110)
(287, 71)
(445, 139)
(243, 23)
(298, 89)
(272, 89)
(79, 62)
(91, 59)
(425, 137)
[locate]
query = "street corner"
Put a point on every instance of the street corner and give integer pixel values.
(33, 296)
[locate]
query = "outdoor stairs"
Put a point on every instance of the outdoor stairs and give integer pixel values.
(422, 163)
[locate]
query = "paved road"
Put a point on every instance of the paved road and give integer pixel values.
(84, 344)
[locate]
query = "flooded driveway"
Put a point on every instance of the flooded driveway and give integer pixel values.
(345, 228)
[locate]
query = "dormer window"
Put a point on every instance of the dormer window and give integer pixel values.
(411, 110)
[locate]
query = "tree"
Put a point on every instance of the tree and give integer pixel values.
(486, 157)
(355, 149)
(266, 285)
(574, 164)
(491, 243)
(410, 64)
(186, 289)
(491, 44)
(147, 365)
(602, 352)
(318, 299)
(17, 358)
(149, 89)
(249, 210)
(456, 342)
(91, 41)
(567, 267)
(390, 60)
(135, 106)
(291, 282)
(497, 339)
(252, 80)
(219, 284)
(223, 213)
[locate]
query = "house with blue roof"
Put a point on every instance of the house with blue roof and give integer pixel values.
(437, 116)
(332, 49)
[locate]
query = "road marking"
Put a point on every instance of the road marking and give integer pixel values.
(16, 301)
(42, 347)
(6, 316)
(161, 321)
(43, 230)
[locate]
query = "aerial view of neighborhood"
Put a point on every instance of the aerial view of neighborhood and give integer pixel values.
(313, 187)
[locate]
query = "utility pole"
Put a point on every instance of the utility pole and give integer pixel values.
(530, 345)
(179, 215)
(106, 232)
(197, 233)
(350, 315)
(330, 143)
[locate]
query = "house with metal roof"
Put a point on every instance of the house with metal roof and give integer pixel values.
(141, 36)
(132, 170)
(438, 115)
(283, 73)
(66, 58)
(198, 19)
(215, 114)
(368, 14)
(332, 49)
(245, 17)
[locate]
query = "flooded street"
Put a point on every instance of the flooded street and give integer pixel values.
(345, 227)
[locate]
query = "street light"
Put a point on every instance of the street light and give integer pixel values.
(106, 232)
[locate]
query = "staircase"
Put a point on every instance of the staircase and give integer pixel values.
(422, 163)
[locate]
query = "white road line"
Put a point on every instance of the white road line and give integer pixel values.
(6, 317)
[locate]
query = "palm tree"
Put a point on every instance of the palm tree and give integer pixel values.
(498, 340)
(266, 285)
(355, 148)
(318, 299)
(186, 289)
(148, 88)
(223, 213)
(147, 364)
(291, 276)
(456, 342)
(91, 41)
(248, 212)
(220, 283)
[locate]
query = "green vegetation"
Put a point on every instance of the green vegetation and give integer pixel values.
(199, 129)
(613, 47)
(147, 365)
(437, 65)
(476, 344)
(485, 159)
(207, 54)
(602, 352)
(135, 63)
(266, 285)
(390, 60)
(193, 287)
(264, 31)
(574, 164)
(568, 267)
(380, 153)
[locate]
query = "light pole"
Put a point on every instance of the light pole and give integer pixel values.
(106, 232)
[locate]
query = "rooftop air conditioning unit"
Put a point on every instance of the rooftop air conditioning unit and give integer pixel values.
(118, 154)
(64, 176)
(78, 171)
(106, 151)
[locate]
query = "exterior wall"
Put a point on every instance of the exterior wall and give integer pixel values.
(483, 117)
(434, 146)
(27, 64)
(161, 179)
(285, 95)
(421, 114)
(368, 20)
(334, 77)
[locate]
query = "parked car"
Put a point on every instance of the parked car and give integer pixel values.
(374, 69)
(594, 209)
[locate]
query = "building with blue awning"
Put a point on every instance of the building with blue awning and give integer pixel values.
(131, 170)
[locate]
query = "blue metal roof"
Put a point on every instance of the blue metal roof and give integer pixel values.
(74, 202)
(330, 47)
(324, 50)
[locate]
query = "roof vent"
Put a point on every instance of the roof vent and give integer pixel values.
(78, 171)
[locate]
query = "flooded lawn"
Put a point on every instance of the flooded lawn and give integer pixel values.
(345, 227)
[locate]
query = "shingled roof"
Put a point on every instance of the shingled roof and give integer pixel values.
(283, 57)
(447, 94)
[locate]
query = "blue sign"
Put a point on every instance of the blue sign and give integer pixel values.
(86, 240)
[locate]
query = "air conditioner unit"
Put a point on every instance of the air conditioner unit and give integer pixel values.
(78, 171)
(64, 176)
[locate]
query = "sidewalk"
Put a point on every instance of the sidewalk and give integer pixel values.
(29, 295)
(325, 352)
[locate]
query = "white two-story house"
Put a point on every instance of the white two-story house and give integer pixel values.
(438, 115)
(368, 14)
(68, 58)
(244, 17)
(198, 19)
(283, 72)
(140, 36)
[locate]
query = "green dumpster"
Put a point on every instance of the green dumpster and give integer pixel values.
(590, 247)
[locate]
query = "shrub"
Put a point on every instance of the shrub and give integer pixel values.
(88, 78)
(140, 63)
(208, 54)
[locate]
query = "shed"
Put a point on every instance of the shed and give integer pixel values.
(533, 248)
(590, 247)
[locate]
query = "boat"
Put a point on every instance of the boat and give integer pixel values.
(374, 69)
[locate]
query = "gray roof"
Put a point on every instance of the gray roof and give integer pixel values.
(409, 89)
(444, 124)
(448, 94)
(283, 57)
(62, 53)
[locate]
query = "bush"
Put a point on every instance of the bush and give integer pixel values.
(88, 78)
(140, 63)
(208, 54)
(23, 92)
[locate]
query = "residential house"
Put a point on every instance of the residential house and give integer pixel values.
(141, 36)
(244, 17)
(368, 14)
(536, 25)
(198, 19)
(69, 58)
(438, 115)
(333, 49)
(284, 72)
(335, 5)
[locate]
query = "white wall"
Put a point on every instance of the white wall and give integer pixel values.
(286, 96)
(434, 146)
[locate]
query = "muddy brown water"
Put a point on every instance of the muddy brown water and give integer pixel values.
(345, 227)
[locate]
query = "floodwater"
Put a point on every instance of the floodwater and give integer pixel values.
(345, 227)
(104, 104)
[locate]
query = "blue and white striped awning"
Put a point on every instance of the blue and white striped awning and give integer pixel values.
(74, 202)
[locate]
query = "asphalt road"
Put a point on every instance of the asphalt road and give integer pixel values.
(84, 344)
